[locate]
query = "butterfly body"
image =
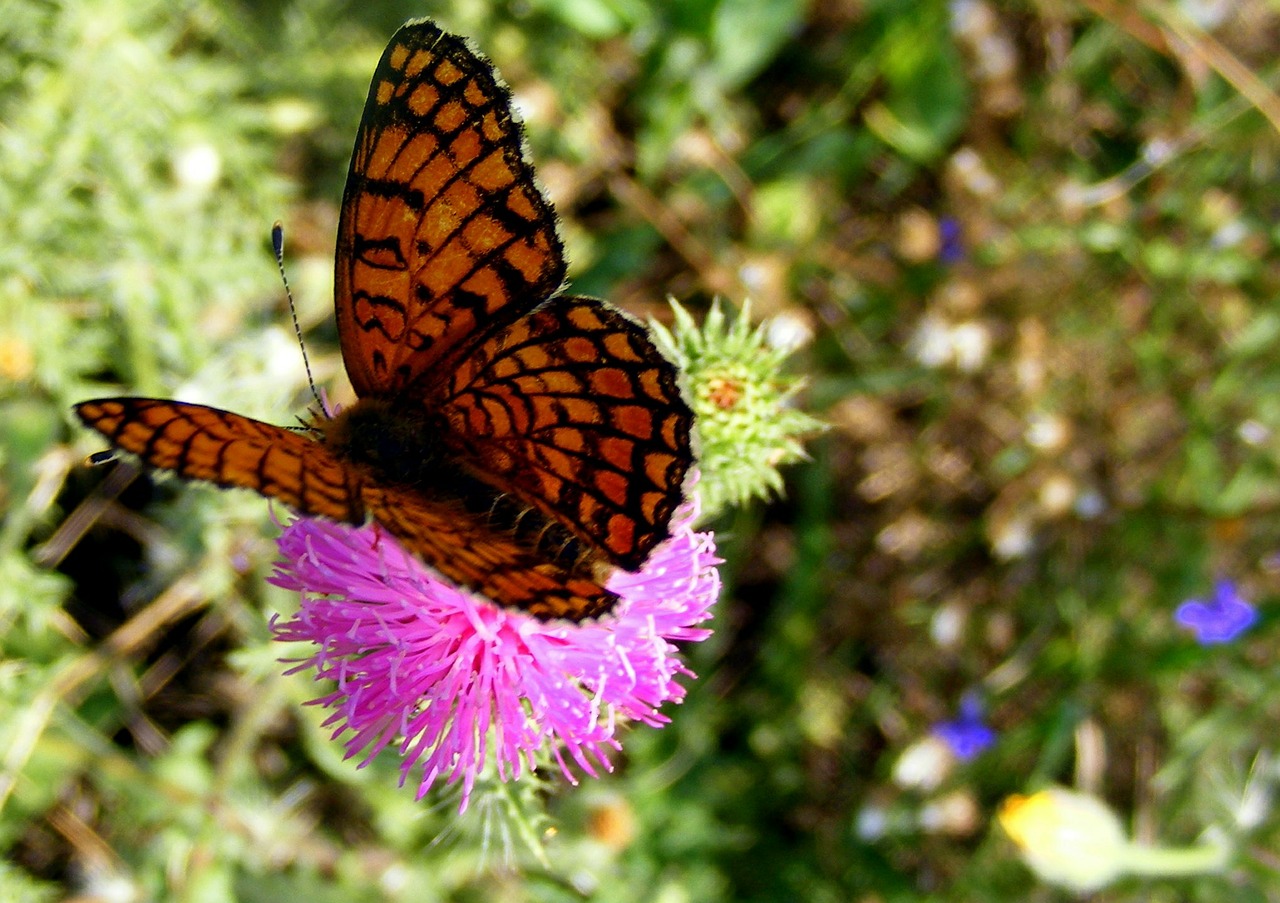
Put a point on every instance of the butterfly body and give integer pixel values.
(520, 441)
(398, 445)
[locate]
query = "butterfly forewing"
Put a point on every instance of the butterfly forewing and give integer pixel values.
(203, 443)
(443, 234)
(575, 411)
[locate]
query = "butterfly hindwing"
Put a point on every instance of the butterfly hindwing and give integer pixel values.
(466, 549)
(443, 234)
(575, 411)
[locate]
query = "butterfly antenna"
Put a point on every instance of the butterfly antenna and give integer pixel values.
(277, 245)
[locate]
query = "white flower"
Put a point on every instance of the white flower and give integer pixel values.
(924, 764)
(197, 167)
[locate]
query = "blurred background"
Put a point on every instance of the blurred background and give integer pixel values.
(1026, 254)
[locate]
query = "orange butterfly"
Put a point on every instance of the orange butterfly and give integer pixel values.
(519, 441)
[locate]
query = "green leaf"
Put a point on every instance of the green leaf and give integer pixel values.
(747, 34)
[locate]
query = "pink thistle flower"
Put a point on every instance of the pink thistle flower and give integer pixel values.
(457, 681)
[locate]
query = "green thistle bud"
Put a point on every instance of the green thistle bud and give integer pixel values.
(747, 426)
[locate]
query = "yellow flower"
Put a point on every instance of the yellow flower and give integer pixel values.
(1067, 838)
(1074, 841)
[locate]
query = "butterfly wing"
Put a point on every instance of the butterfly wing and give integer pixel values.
(466, 549)
(443, 235)
(203, 443)
(573, 410)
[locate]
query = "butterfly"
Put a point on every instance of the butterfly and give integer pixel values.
(520, 441)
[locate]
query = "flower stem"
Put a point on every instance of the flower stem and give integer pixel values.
(1210, 857)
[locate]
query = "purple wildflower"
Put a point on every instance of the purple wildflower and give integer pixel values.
(1220, 620)
(967, 735)
(458, 682)
(950, 240)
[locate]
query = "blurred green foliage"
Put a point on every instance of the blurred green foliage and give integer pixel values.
(1048, 429)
